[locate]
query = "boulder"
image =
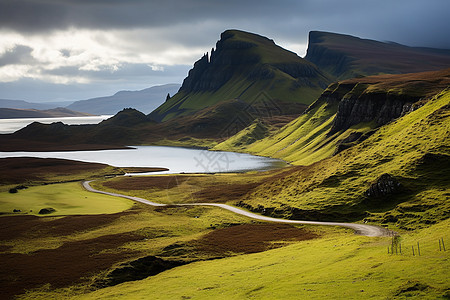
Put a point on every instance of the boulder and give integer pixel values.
(384, 186)
(46, 211)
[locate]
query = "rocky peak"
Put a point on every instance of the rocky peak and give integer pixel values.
(245, 54)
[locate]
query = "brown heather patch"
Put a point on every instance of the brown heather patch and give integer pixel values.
(223, 192)
(22, 169)
(12, 227)
(65, 265)
(144, 183)
(60, 267)
(250, 238)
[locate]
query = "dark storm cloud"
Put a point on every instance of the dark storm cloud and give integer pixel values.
(414, 22)
(18, 55)
(125, 70)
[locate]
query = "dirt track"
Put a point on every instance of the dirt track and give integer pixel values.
(362, 229)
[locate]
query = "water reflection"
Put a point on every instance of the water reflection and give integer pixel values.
(176, 159)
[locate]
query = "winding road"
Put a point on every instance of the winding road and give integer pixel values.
(361, 229)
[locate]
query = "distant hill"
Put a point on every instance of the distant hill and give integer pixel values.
(144, 100)
(346, 56)
(21, 104)
(11, 113)
(246, 66)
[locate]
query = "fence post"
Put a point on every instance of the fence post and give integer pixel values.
(413, 250)
(440, 245)
(443, 245)
(418, 249)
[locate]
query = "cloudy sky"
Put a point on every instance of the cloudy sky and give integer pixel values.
(53, 50)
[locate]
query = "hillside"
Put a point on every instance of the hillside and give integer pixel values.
(247, 67)
(346, 56)
(398, 175)
(144, 100)
(11, 113)
(347, 113)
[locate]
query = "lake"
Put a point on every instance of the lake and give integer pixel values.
(176, 159)
(12, 125)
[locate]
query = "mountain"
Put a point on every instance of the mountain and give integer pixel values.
(248, 67)
(248, 82)
(346, 56)
(144, 100)
(11, 113)
(346, 113)
(21, 104)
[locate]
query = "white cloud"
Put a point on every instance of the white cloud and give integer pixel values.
(92, 50)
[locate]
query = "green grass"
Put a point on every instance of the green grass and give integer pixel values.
(337, 267)
(302, 141)
(65, 198)
(413, 149)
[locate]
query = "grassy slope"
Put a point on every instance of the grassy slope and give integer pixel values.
(413, 149)
(298, 142)
(337, 267)
(307, 139)
(281, 87)
(66, 199)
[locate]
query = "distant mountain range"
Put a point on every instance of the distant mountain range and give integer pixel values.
(144, 100)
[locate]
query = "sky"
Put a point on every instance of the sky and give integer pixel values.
(58, 50)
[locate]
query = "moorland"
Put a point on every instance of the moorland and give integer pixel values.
(364, 126)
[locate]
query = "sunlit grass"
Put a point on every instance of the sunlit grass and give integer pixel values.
(65, 198)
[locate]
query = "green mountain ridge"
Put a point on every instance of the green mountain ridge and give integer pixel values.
(242, 66)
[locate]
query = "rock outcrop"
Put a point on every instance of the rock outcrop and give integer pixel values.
(241, 66)
(385, 185)
(379, 108)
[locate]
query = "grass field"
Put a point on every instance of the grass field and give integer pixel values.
(65, 198)
(340, 266)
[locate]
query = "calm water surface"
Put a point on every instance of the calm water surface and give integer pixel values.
(176, 159)
(12, 125)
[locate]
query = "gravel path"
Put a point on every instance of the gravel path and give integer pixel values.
(361, 229)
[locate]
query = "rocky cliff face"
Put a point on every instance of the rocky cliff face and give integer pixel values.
(242, 66)
(379, 108)
(381, 99)
(236, 57)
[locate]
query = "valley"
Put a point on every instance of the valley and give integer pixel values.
(365, 138)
